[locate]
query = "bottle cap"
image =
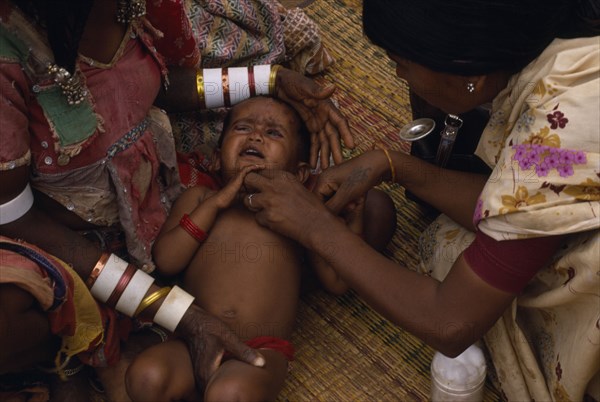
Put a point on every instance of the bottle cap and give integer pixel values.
(464, 372)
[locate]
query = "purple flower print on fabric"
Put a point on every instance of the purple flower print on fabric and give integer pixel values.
(545, 158)
(478, 215)
(557, 119)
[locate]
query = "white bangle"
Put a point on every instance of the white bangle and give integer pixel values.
(17, 207)
(213, 88)
(173, 308)
(134, 293)
(108, 278)
(239, 87)
(262, 74)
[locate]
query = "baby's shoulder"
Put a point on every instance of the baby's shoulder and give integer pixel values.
(197, 191)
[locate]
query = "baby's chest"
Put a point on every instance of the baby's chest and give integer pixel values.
(236, 238)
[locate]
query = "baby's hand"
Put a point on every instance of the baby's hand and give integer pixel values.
(225, 197)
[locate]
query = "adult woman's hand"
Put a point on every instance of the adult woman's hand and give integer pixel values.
(283, 204)
(346, 182)
(323, 119)
(207, 339)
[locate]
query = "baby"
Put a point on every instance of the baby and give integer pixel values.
(237, 270)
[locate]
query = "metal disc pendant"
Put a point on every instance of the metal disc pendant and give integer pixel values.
(417, 129)
(63, 160)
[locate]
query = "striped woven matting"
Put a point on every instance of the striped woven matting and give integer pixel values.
(344, 350)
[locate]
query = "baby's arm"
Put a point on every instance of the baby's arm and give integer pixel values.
(328, 277)
(353, 215)
(175, 247)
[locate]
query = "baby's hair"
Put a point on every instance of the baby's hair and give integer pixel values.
(303, 133)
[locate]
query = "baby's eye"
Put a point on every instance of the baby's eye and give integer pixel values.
(242, 128)
(274, 133)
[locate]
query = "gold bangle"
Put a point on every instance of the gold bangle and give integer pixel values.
(392, 168)
(273, 78)
(200, 87)
(152, 298)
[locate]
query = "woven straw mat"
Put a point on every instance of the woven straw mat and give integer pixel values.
(345, 351)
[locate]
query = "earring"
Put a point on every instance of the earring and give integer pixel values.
(470, 87)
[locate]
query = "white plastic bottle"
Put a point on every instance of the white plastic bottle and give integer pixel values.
(460, 379)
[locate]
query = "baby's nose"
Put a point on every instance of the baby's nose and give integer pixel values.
(256, 135)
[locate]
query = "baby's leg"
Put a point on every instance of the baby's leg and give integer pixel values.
(380, 219)
(162, 372)
(239, 381)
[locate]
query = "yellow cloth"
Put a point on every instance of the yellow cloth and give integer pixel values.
(88, 328)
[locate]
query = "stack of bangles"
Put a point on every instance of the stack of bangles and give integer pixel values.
(225, 87)
(192, 229)
(121, 286)
(115, 282)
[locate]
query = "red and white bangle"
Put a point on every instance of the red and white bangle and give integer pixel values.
(134, 293)
(213, 88)
(173, 308)
(119, 284)
(107, 280)
(17, 207)
(193, 230)
(218, 87)
(239, 84)
(262, 74)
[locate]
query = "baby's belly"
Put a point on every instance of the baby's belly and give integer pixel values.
(252, 300)
(251, 283)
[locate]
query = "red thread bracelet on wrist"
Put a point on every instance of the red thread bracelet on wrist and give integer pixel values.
(189, 226)
(121, 285)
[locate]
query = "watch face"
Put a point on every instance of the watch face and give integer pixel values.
(417, 129)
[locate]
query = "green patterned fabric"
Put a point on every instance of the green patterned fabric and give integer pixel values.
(72, 124)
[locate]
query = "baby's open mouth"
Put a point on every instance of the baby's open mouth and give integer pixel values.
(252, 152)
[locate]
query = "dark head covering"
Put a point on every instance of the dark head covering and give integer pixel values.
(471, 37)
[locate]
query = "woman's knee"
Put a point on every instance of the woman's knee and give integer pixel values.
(24, 327)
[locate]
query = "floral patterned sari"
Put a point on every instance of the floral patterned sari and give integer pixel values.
(543, 141)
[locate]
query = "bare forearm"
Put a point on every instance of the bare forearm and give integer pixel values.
(39, 229)
(181, 93)
(175, 247)
(452, 192)
(419, 304)
(327, 275)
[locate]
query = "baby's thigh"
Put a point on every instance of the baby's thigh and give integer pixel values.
(162, 372)
(239, 381)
